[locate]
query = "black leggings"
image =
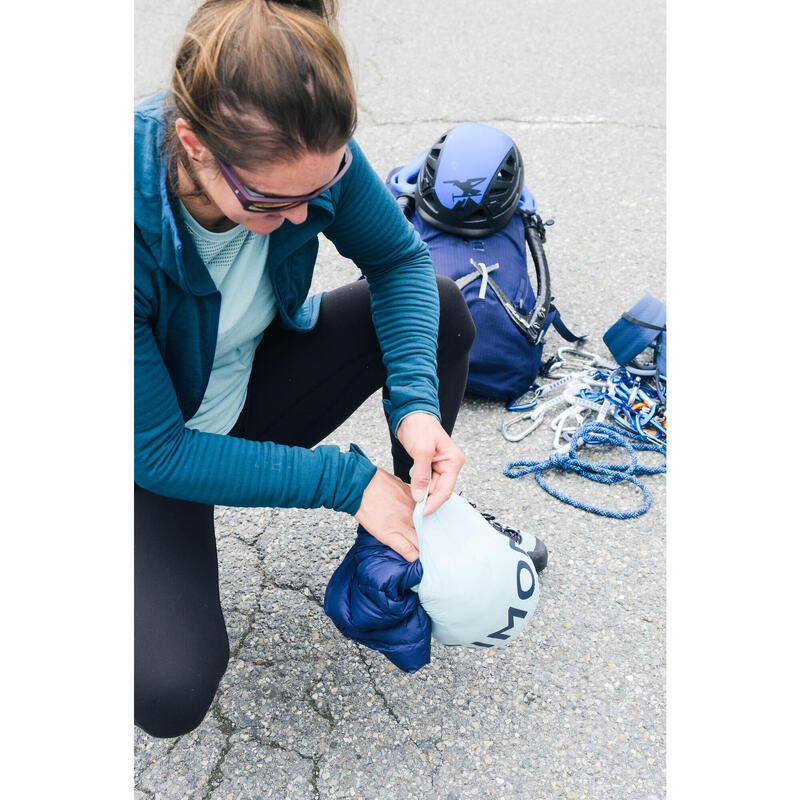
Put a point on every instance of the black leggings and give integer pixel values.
(302, 387)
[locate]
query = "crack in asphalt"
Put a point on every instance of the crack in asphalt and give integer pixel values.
(315, 759)
(224, 723)
(215, 776)
(435, 773)
(315, 777)
(306, 591)
(374, 64)
(326, 715)
(365, 110)
(505, 120)
(250, 627)
(227, 728)
(172, 745)
(378, 691)
(392, 713)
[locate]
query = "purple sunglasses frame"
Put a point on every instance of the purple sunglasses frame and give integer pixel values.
(251, 201)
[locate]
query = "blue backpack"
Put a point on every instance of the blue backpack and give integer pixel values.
(490, 268)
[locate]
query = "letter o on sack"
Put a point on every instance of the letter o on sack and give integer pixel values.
(524, 594)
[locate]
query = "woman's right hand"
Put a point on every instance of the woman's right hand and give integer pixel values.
(386, 511)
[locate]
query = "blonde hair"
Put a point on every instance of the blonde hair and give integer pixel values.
(260, 82)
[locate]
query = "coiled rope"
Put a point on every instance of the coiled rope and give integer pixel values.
(597, 434)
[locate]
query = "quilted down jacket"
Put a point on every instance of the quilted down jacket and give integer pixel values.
(369, 598)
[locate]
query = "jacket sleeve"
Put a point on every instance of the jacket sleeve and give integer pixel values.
(176, 461)
(370, 229)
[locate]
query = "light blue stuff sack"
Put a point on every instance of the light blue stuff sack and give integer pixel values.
(479, 586)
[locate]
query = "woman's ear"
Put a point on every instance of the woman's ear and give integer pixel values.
(194, 148)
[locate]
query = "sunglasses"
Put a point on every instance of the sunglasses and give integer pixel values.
(252, 201)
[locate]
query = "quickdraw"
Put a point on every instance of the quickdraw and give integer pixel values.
(566, 365)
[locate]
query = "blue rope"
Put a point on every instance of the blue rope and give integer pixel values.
(597, 433)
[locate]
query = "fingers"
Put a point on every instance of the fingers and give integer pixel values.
(400, 544)
(420, 474)
(443, 481)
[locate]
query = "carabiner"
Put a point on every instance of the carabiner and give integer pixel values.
(594, 397)
(515, 405)
(623, 417)
(518, 437)
(560, 430)
(552, 369)
(565, 351)
(634, 393)
(644, 417)
(659, 431)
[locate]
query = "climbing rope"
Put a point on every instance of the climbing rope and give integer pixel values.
(597, 434)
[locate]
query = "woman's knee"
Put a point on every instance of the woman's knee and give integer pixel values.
(455, 322)
(171, 702)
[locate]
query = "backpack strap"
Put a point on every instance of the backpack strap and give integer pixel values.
(544, 312)
(562, 329)
(535, 237)
(532, 333)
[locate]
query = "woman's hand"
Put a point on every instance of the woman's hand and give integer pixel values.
(427, 442)
(386, 511)
(387, 506)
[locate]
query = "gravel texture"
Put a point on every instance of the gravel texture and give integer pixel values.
(575, 707)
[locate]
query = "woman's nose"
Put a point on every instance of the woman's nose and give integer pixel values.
(297, 214)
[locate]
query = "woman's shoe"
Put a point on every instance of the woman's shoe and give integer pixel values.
(538, 554)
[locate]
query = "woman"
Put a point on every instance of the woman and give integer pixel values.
(239, 166)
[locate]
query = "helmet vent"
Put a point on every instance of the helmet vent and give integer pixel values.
(509, 168)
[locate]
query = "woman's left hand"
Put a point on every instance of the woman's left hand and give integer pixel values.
(427, 442)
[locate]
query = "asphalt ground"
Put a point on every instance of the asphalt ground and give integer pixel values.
(574, 708)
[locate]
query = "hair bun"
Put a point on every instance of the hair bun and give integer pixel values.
(322, 8)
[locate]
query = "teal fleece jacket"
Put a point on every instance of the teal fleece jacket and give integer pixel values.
(176, 315)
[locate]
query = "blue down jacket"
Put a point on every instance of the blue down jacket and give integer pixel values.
(370, 600)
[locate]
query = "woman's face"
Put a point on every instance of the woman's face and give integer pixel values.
(303, 175)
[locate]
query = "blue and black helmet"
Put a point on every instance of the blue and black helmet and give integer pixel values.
(470, 181)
